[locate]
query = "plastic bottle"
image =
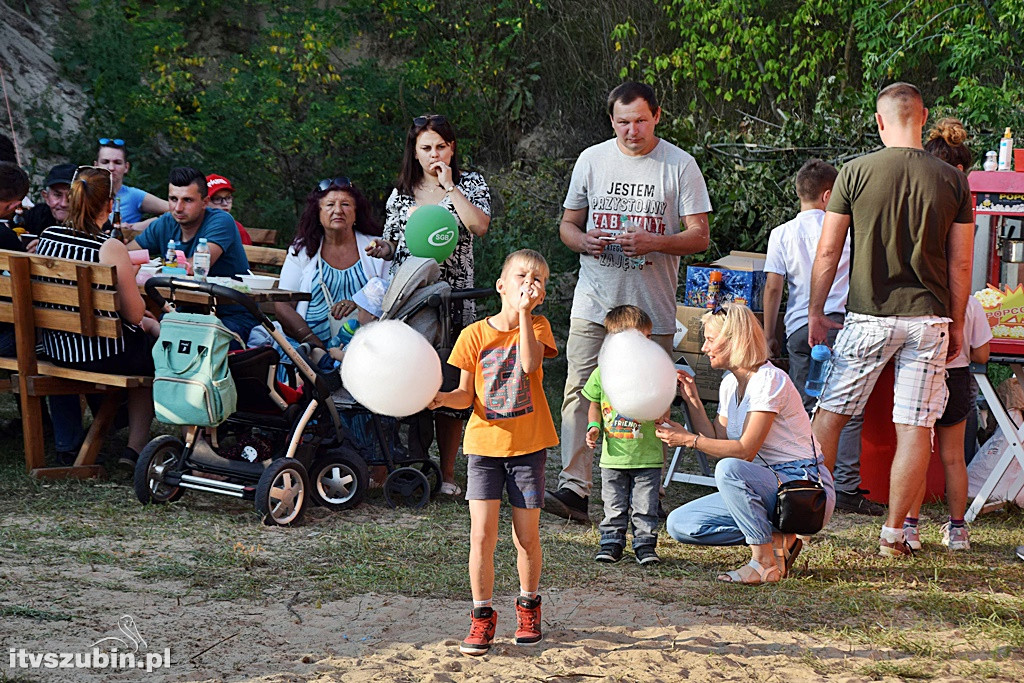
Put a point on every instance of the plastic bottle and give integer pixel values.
(1006, 151)
(627, 226)
(171, 258)
(201, 260)
(990, 161)
(821, 357)
(714, 288)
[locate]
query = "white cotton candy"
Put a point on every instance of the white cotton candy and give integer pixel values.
(391, 368)
(637, 376)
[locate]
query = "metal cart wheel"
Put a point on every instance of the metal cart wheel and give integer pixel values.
(281, 492)
(407, 487)
(340, 479)
(159, 455)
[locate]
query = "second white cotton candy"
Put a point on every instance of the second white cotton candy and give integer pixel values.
(637, 375)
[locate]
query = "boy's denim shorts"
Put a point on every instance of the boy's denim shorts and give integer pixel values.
(522, 476)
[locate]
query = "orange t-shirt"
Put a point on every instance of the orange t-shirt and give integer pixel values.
(510, 412)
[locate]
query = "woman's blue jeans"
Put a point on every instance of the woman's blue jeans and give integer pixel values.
(740, 512)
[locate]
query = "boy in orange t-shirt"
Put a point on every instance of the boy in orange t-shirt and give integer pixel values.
(506, 440)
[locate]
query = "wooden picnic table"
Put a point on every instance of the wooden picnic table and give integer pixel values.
(260, 296)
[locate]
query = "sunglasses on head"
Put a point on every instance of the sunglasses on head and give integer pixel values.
(96, 168)
(719, 309)
(340, 181)
(423, 120)
(115, 142)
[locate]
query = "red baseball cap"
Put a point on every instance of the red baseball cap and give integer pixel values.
(215, 183)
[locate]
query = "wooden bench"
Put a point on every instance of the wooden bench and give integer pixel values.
(24, 294)
(262, 237)
(265, 260)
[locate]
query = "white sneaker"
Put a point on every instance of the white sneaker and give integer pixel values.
(955, 537)
(450, 489)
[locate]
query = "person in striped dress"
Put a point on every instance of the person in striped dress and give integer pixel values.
(80, 239)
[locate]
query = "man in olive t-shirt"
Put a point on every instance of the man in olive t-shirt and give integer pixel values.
(912, 236)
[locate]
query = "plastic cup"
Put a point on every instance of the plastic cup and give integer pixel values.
(139, 256)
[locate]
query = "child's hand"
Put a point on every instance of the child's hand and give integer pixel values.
(592, 434)
(531, 295)
(437, 401)
(336, 353)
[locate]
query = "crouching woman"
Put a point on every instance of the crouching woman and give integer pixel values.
(760, 435)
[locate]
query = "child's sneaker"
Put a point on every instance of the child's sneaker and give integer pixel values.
(894, 548)
(912, 537)
(609, 553)
(955, 537)
(646, 554)
(481, 632)
(528, 618)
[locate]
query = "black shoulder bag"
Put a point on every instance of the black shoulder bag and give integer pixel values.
(800, 504)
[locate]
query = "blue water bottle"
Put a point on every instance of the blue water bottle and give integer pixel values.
(821, 356)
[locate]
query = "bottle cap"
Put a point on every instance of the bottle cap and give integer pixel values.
(715, 276)
(1007, 134)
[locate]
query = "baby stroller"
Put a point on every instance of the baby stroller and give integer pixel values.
(417, 297)
(281, 446)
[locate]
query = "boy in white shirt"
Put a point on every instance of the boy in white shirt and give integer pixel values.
(791, 250)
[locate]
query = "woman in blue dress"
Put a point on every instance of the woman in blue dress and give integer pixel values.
(328, 259)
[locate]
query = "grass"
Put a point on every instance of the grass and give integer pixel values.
(934, 616)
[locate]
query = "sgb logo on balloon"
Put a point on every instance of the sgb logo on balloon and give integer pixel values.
(440, 237)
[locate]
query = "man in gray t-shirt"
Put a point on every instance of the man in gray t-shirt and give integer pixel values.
(635, 204)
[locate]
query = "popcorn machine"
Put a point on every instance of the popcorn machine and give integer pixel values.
(998, 275)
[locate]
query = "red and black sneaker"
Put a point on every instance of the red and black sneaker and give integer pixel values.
(481, 632)
(528, 618)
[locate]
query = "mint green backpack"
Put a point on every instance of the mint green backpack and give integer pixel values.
(192, 384)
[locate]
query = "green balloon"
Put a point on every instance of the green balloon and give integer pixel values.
(431, 232)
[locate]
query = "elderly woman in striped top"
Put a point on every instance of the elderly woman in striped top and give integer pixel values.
(90, 200)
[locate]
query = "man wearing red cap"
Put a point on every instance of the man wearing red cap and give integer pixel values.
(222, 194)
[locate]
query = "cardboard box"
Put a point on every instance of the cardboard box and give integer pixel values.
(690, 316)
(707, 378)
(743, 279)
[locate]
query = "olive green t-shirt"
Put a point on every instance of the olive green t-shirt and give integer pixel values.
(902, 203)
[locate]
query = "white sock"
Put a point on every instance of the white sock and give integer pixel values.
(477, 604)
(523, 593)
(892, 535)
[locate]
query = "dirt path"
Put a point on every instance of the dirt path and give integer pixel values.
(594, 636)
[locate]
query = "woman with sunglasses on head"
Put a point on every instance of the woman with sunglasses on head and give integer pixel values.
(761, 435)
(328, 259)
(430, 175)
(133, 202)
(89, 201)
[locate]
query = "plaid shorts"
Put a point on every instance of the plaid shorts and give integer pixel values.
(863, 348)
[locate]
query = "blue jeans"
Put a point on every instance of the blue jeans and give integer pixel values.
(623, 489)
(7, 347)
(66, 416)
(740, 513)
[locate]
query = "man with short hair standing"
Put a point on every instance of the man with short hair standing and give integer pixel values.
(912, 237)
(635, 204)
(54, 209)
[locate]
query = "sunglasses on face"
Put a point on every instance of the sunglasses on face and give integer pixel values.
(115, 142)
(340, 181)
(96, 168)
(423, 120)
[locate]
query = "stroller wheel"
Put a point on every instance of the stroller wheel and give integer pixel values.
(340, 480)
(281, 492)
(432, 472)
(159, 455)
(408, 487)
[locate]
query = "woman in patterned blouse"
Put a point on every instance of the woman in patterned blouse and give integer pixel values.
(430, 175)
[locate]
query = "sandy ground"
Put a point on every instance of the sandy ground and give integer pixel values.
(593, 636)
